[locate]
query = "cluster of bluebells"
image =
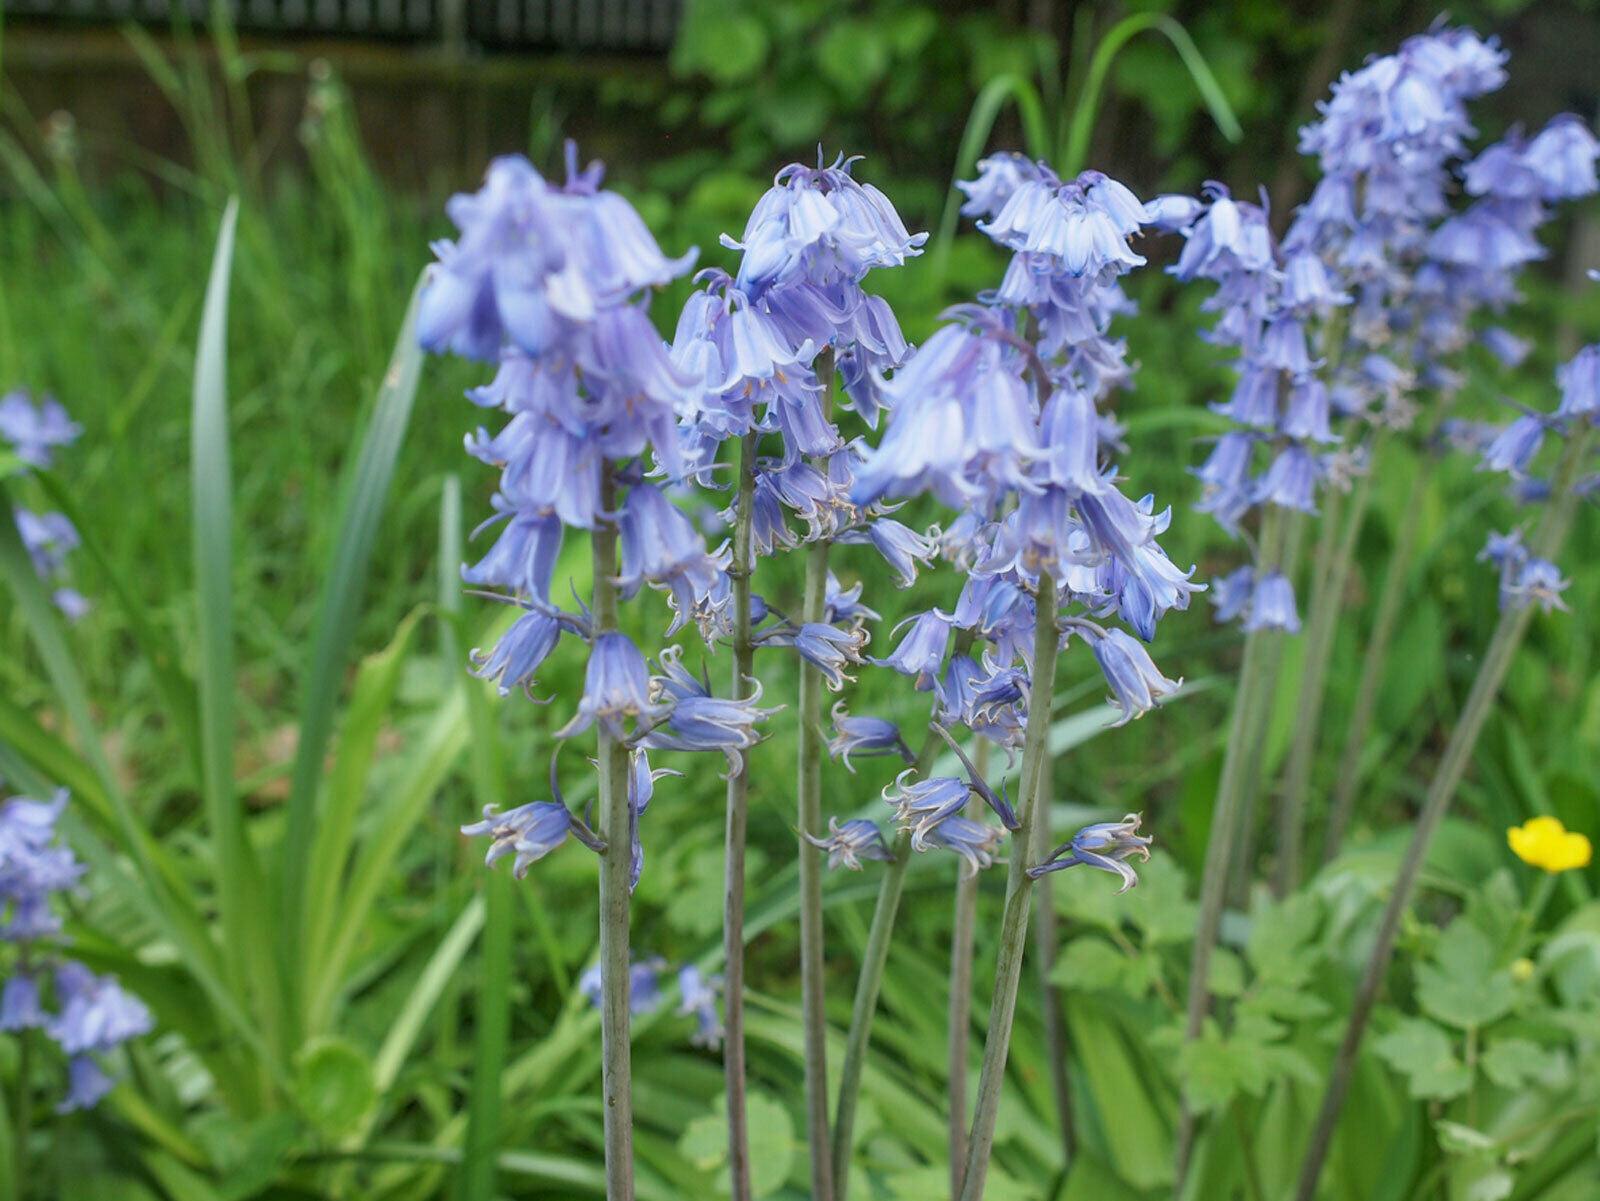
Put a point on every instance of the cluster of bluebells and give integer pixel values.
(763, 346)
(1379, 244)
(1271, 303)
(697, 996)
(551, 284)
(33, 431)
(999, 416)
(85, 1015)
(1526, 578)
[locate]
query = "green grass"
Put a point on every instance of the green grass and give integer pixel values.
(271, 740)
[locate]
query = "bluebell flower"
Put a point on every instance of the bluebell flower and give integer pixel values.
(644, 985)
(1563, 155)
(1291, 481)
(35, 430)
(826, 647)
(974, 841)
(842, 606)
(1272, 605)
(1579, 379)
(1136, 683)
(697, 995)
(530, 831)
(96, 1014)
(822, 227)
(1106, 845)
(87, 1083)
(19, 1004)
(999, 176)
(49, 539)
(864, 736)
(1516, 445)
(531, 257)
(1171, 213)
(1083, 225)
(1534, 581)
(523, 558)
(1505, 346)
(34, 867)
(616, 686)
(848, 843)
(921, 652)
(1231, 593)
(519, 653)
(700, 722)
(920, 805)
(902, 548)
(662, 547)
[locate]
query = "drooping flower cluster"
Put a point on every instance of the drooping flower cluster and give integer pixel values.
(85, 1015)
(551, 284)
(1525, 577)
(1375, 283)
(33, 432)
(764, 345)
(998, 416)
(1270, 305)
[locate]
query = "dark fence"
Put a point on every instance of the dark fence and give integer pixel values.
(605, 25)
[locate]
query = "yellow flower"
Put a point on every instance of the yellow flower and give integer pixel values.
(1544, 842)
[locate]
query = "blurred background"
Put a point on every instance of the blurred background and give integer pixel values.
(342, 126)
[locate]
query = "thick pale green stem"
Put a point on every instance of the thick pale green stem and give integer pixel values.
(22, 1116)
(808, 822)
(1332, 574)
(1054, 1013)
(870, 980)
(733, 1061)
(1248, 716)
(1373, 663)
(1025, 850)
(615, 872)
(1244, 855)
(959, 1023)
(1508, 634)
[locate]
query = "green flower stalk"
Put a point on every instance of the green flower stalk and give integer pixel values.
(1336, 548)
(1025, 848)
(1515, 617)
(733, 1057)
(616, 885)
(809, 825)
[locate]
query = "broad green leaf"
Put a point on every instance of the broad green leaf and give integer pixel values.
(772, 1144)
(1090, 963)
(853, 55)
(1424, 1054)
(247, 1154)
(1226, 977)
(1514, 1062)
(346, 789)
(333, 1085)
(1462, 986)
(365, 494)
(1279, 945)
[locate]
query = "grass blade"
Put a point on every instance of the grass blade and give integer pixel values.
(366, 494)
(247, 956)
(985, 112)
(1118, 36)
(492, 1020)
(376, 685)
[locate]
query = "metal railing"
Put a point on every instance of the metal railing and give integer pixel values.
(608, 25)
